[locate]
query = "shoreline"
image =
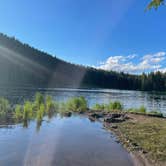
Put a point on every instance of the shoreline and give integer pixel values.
(138, 154)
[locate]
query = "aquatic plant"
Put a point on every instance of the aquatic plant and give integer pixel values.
(40, 113)
(5, 108)
(39, 99)
(18, 113)
(116, 105)
(112, 106)
(27, 111)
(99, 107)
(49, 104)
(76, 104)
(140, 110)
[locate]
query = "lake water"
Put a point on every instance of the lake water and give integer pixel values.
(74, 141)
(130, 99)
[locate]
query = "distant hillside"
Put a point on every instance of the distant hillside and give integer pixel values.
(22, 65)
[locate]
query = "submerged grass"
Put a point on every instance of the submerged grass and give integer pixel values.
(40, 107)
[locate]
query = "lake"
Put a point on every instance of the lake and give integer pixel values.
(72, 141)
(130, 99)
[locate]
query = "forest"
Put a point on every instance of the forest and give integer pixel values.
(23, 65)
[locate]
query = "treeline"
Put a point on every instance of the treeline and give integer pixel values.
(22, 65)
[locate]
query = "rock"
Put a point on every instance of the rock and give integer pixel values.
(115, 118)
(96, 115)
(114, 126)
(67, 114)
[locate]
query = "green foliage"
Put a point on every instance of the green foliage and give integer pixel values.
(40, 113)
(47, 67)
(112, 106)
(141, 110)
(77, 104)
(5, 108)
(49, 104)
(18, 113)
(39, 99)
(27, 111)
(62, 108)
(99, 107)
(154, 4)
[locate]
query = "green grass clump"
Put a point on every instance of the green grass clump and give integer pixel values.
(49, 105)
(5, 109)
(112, 106)
(18, 113)
(76, 104)
(99, 107)
(140, 110)
(116, 105)
(40, 113)
(39, 99)
(28, 111)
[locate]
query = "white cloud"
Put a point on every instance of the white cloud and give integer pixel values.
(149, 62)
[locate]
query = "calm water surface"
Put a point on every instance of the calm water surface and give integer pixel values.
(74, 141)
(130, 99)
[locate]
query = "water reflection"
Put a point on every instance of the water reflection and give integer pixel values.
(67, 141)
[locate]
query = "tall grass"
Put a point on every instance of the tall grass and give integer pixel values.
(112, 106)
(76, 104)
(5, 109)
(18, 113)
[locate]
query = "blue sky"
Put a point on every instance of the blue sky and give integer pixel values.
(91, 32)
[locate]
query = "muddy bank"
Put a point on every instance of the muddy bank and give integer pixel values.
(143, 136)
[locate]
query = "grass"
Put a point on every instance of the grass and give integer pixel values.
(77, 104)
(112, 106)
(142, 110)
(39, 108)
(148, 134)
